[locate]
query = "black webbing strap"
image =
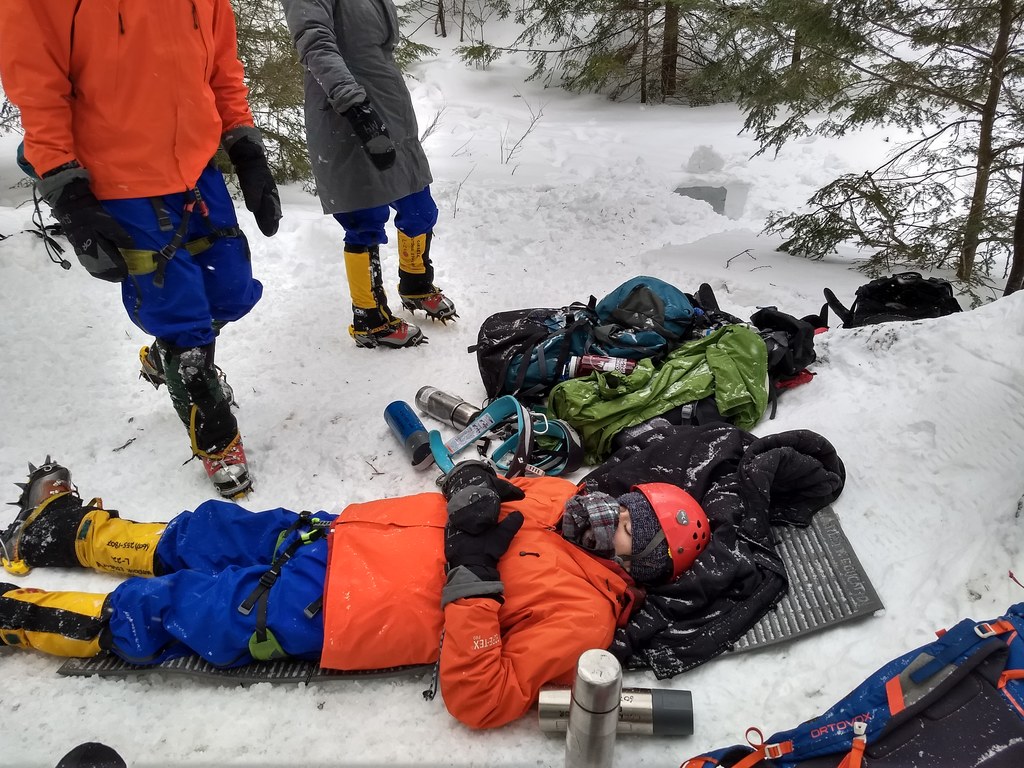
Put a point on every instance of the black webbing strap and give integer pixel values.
(30, 617)
(258, 597)
(193, 200)
(313, 608)
(163, 216)
(165, 254)
(261, 616)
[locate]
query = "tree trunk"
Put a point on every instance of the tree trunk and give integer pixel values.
(798, 49)
(644, 56)
(983, 165)
(462, 23)
(670, 51)
(440, 27)
(1015, 280)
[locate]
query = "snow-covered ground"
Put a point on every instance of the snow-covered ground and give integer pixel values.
(928, 417)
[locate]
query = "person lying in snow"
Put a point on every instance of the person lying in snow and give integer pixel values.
(503, 584)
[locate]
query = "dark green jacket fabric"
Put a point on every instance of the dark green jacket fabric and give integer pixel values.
(731, 364)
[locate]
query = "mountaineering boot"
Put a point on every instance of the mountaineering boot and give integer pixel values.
(416, 279)
(151, 368)
(58, 623)
(54, 528)
(373, 325)
(226, 466)
(43, 531)
(202, 404)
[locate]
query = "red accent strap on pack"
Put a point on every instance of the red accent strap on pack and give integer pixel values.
(1008, 675)
(802, 377)
(699, 762)
(763, 751)
(855, 757)
(993, 628)
(894, 693)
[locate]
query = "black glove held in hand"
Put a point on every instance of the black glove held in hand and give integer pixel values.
(258, 186)
(480, 553)
(473, 472)
(93, 233)
(372, 131)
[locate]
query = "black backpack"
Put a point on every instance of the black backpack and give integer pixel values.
(906, 296)
(523, 352)
(790, 341)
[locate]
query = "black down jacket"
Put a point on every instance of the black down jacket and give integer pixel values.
(745, 485)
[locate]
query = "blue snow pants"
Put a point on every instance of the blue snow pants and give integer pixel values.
(208, 562)
(415, 215)
(201, 289)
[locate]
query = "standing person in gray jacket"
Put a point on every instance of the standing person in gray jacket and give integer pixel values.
(367, 159)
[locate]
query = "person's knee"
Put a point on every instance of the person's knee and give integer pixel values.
(365, 227)
(417, 213)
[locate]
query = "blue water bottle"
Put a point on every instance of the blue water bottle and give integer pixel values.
(407, 427)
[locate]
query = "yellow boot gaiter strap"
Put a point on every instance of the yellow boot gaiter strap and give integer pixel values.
(109, 544)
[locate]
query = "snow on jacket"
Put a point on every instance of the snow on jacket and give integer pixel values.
(347, 48)
(382, 602)
(730, 363)
(138, 91)
(745, 485)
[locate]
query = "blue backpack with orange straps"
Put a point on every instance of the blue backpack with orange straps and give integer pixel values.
(956, 702)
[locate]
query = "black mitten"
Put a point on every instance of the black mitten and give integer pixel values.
(373, 133)
(95, 235)
(257, 182)
(474, 472)
(473, 559)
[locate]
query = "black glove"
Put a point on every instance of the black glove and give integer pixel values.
(473, 558)
(258, 186)
(372, 131)
(95, 235)
(473, 472)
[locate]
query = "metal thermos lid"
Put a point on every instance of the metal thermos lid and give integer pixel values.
(598, 681)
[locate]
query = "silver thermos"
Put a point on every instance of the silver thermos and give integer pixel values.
(593, 711)
(450, 409)
(642, 711)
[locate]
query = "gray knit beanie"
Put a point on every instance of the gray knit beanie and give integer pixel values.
(656, 566)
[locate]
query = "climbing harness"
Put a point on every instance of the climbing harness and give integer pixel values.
(531, 443)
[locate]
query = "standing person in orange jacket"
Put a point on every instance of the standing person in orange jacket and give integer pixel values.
(124, 106)
(517, 589)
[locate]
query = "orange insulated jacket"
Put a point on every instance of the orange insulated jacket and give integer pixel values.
(137, 91)
(382, 602)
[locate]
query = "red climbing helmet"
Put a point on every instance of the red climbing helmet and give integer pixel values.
(683, 521)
